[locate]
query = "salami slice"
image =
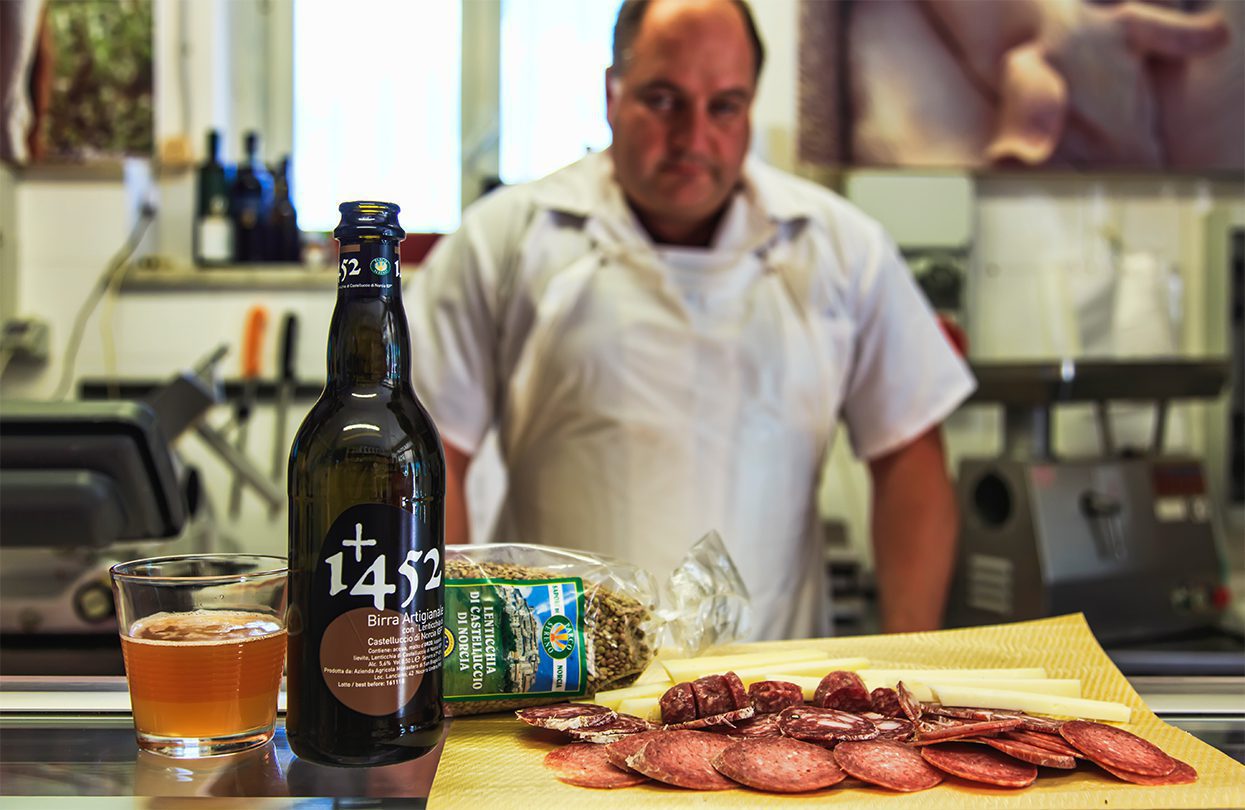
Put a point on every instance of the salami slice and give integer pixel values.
(617, 752)
(891, 728)
(624, 725)
(842, 690)
(771, 697)
(1026, 752)
(739, 695)
(683, 759)
(586, 765)
(780, 765)
(1116, 748)
(712, 696)
(979, 764)
(726, 719)
(566, 716)
(910, 706)
(678, 704)
(824, 726)
(1051, 742)
(761, 725)
(1028, 722)
(961, 730)
(1182, 774)
(885, 700)
(888, 764)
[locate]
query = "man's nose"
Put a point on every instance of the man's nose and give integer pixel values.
(691, 132)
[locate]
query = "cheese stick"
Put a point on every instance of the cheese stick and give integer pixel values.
(1063, 687)
(689, 669)
(647, 708)
(891, 676)
(819, 668)
(613, 697)
(980, 698)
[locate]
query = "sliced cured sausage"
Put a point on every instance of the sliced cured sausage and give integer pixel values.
(888, 764)
(824, 726)
(761, 725)
(890, 728)
(617, 752)
(885, 700)
(1116, 748)
(725, 719)
(1051, 742)
(621, 726)
(565, 716)
(712, 696)
(586, 765)
(842, 690)
(910, 706)
(1026, 752)
(961, 730)
(678, 704)
(771, 697)
(1028, 722)
(979, 764)
(1182, 774)
(683, 759)
(739, 695)
(779, 765)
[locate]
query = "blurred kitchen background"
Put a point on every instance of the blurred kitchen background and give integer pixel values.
(169, 181)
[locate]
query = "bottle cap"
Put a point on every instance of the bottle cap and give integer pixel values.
(361, 218)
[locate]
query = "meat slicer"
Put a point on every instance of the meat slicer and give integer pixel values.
(1127, 537)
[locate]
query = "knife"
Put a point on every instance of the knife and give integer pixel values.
(288, 352)
(252, 342)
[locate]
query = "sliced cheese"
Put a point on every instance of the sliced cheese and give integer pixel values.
(819, 668)
(981, 698)
(613, 697)
(647, 708)
(689, 669)
(926, 675)
(653, 673)
(1064, 687)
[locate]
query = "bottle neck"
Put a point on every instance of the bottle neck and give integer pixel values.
(369, 340)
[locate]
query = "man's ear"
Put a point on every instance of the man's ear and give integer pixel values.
(612, 80)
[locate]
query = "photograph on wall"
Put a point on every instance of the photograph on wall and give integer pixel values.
(1052, 84)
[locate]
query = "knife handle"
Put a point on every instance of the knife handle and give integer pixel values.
(289, 347)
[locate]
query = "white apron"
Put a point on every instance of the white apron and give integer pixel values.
(641, 415)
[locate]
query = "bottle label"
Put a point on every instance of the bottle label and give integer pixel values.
(377, 607)
(519, 636)
(215, 239)
(363, 272)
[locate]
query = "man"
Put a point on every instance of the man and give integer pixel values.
(666, 334)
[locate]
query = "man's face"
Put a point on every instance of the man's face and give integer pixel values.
(680, 113)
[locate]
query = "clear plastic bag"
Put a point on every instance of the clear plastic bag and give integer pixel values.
(528, 624)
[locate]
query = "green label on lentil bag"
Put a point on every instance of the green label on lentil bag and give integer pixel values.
(514, 637)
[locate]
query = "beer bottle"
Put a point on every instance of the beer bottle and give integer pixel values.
(366, 533)
(213, 233)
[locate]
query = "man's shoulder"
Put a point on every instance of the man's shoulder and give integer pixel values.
(573, 189)
(787, 196)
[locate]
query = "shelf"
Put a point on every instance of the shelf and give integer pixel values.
(241, 278)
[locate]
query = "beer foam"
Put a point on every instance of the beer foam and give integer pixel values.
(204, 626)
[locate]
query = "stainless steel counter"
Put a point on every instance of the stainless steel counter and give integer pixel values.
(62, 738)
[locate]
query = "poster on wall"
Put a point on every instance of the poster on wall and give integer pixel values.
(1051, 84)
(77, 80)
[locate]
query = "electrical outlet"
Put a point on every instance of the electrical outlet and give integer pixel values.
(25, 340)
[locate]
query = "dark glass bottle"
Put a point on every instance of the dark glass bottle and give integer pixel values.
(249, 200)
(213, 231)
(284, 242)
(367, 520)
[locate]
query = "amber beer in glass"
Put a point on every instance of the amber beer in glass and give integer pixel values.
(366, 534)
(203, 638)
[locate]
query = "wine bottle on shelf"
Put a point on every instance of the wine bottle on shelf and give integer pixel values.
(284, 241)
(249, 201)
(213, 230)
